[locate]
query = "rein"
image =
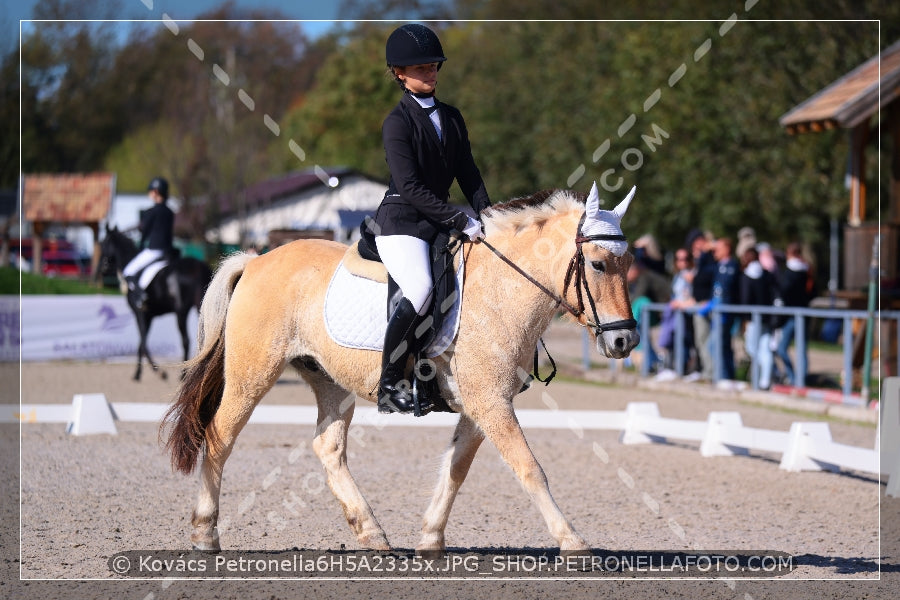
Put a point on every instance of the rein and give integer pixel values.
(574, 274)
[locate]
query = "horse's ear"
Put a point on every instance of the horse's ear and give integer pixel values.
(623, 205)
(592, 206)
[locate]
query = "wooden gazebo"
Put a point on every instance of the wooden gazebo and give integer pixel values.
(78, 199)
(861, 101)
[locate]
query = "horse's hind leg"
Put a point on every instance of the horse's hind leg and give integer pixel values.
(143, 327)
(181, 316)
(185, 340)
(330, 445)
(239, 398)
(457, 460)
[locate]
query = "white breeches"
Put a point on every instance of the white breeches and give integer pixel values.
(407, 259)
(143, 258)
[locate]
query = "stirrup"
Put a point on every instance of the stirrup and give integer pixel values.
(394, 400)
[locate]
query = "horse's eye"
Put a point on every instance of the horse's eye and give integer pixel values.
(599, 266)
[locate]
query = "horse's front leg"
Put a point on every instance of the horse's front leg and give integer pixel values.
(500, 425)
(457, 460)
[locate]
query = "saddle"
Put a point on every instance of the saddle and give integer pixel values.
(142, 279)
(362, 259)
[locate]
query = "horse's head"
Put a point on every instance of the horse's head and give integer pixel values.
(116, 250)
(606, 263)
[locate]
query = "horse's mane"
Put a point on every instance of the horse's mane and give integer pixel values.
(533, 210)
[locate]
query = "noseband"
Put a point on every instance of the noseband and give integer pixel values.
(576, 274)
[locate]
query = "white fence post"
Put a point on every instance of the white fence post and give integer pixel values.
(713, 444)
(796, 456)
(91, 413)
(636, 414)
(889, 434)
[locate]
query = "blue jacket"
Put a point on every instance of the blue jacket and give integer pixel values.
(725, 284)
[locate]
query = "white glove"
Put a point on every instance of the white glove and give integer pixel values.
(473, 230)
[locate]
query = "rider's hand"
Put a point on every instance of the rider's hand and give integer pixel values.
(473, 230)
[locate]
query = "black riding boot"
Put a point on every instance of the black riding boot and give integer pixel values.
(135, 292)
(394, 389)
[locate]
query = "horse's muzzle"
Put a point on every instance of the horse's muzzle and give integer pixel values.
(618, 343)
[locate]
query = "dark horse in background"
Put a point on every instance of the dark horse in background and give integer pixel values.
(179, 286)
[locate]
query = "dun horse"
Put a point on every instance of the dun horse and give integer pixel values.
(177, 288)
(262, 313)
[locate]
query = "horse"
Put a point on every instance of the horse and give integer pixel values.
(264, 312)
(177, 288)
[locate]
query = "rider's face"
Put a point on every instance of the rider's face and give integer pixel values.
(419, 79)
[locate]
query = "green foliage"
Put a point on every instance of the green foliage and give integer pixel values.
(339, 121)
(31, 284)
(543, 99)
(548, 103)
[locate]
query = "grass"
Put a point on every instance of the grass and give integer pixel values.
(37, 284)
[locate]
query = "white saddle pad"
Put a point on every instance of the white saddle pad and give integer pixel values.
(356, 312)
(150, 272)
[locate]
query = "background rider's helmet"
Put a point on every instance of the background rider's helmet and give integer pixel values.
(413, 44)
(160, 185)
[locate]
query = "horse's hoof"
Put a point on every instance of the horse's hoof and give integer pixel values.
(375, 542)
(430, 553)
(575, 551)
(206, 543)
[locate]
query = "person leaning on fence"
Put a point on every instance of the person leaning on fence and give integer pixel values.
(758, 288)
(681, 298)
(795, 287)
(426, 147)
(725, 291)
(646, 286)
(702, 291)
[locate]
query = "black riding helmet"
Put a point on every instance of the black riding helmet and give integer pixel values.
(160, 185)
(413, 44)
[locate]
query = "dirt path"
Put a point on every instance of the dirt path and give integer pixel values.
(85, 499)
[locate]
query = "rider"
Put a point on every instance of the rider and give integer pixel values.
(156, 226)
(426, 147)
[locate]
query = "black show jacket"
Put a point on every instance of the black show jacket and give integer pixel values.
(423, 168)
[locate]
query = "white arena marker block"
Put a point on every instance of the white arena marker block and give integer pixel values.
(889, 434)
(795, 458)
(636, 414)
(715, 443)
(91, 413)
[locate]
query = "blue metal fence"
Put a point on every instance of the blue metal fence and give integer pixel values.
(756, 314)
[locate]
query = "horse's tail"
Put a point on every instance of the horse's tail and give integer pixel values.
(187, 422)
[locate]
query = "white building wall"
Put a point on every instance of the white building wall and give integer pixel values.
(312, 209)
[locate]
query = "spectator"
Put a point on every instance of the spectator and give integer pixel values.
(757, 288)
(725, 287)
(702, 292)
(646, 286)
(682, 297)
(647, 248)
(794, 285)
(746, 239)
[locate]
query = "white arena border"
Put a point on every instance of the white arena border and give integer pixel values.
(807, 446)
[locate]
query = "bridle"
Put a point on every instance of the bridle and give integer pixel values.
(575, 274)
